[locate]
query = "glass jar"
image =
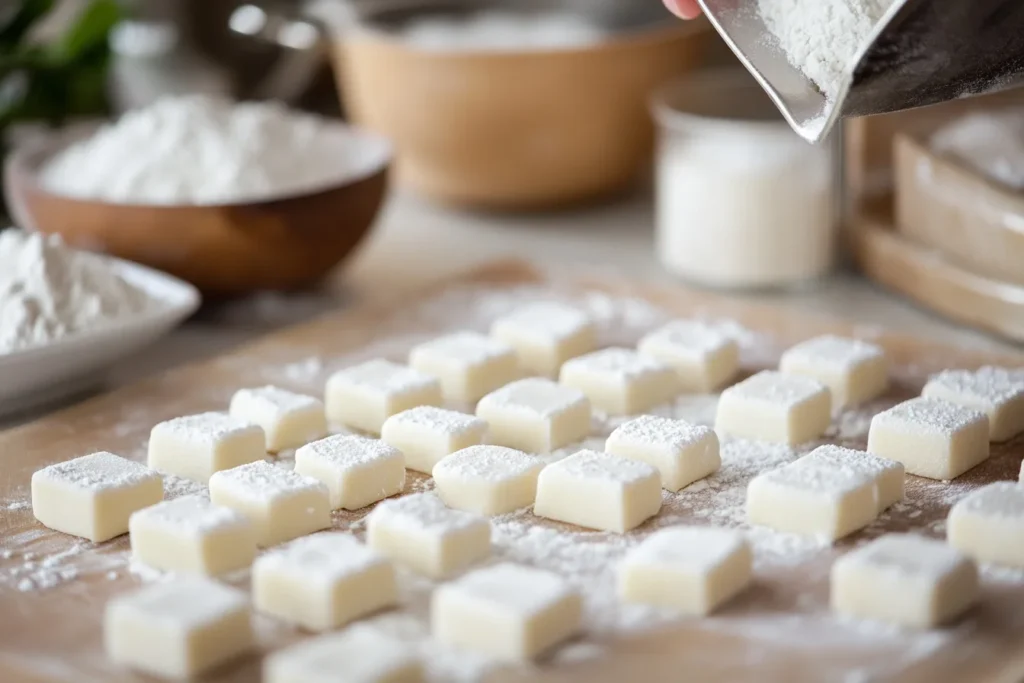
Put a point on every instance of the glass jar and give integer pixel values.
(742, 200)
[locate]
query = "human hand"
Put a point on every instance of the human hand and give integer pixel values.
(687, 9)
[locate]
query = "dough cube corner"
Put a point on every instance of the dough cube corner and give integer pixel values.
(280, 503)
(682, 453)
(94, 495)
(323, 581)
(357, 471)
(178, 629)
(598, 491)
(506, 611)
(196, 446)
(488, 480)
(357, 655)
(420, 532)
(427, 433)
(906, 580)
(468, 364)
(815, 497)
(621, 381)
(192, 535)
(997, 392)
(535, 415)
(362, 397)
(988, 524)
(704, 356)
(690, 569)
(931, 437)
(853, 370)
(771, 406)
(545, 335)
(289, 419)
(888, 474)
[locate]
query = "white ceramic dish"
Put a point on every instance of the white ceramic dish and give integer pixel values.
(33, 376)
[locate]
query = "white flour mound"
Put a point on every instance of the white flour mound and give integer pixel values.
(820, 37)
(496, 30)
(48, 291)
(204, 150)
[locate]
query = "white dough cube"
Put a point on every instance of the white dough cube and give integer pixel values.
(690, 569)
(281, 504)
(598, 491)
(889, 475)
(323, 582)
(356, 470)
(488, 480)
(545, 335)
(770, 406)
(997, 392)
(178, 629)
(853, 370)
(682, 453)
(506, 611)
(192, 535)
(988, 524)
(358, 655)
(94, 495)
(621, 381)
(468, 364)
(535, 415)
(364, 396)
(420, 532)
(904, 579)
(196, 446)
(813, 496)
(288, 419)
(703, 356)
(426, 434)
(932, 438)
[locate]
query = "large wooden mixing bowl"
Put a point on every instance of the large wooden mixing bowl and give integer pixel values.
(225, 250)
(513, 129)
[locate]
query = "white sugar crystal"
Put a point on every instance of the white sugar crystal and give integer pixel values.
(988, 524)
(932, 438)
(426, 434)
(506, 611)
(704, 356)
(904, 579)
(356, 470)
(545, 335)
(999, 392)
(620, 381)
(489, 480)
(536, 415)
(289, 419)
(364, 396)
(771, 406)
(682, 453)
(357, 655)
(93, 496)
(196, 446)
(468, 364)
(854, 371)
(888, 474)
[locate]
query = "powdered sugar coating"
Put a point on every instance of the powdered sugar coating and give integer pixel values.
(1001, 499)
(186, 602)
(928, 416)
(261, 482)
(462, 349)
(908, 555)
(535, 397)
(487, 463)
(694, 548)
(839, 353)
(440, 420)
(545, 321)
(276, 401)
(987, 386)
(776, 388)
(817, 475)
(848, 458)
(651, 429)
(384, 376)
(521, 590)
(206, 428)
(625, 364)
(325, 557)
(689, 338)
(97, 472)
(348, 451)
(192, 516)
(595, 465)
(424, 513)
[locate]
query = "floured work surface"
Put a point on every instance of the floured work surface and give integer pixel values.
(53, 587)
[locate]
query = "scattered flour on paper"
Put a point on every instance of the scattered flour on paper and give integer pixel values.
(777, 613)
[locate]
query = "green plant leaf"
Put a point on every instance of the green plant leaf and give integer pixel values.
(16, 23)
(89, 33)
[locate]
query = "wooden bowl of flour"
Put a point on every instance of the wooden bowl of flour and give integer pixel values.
(278, 243)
